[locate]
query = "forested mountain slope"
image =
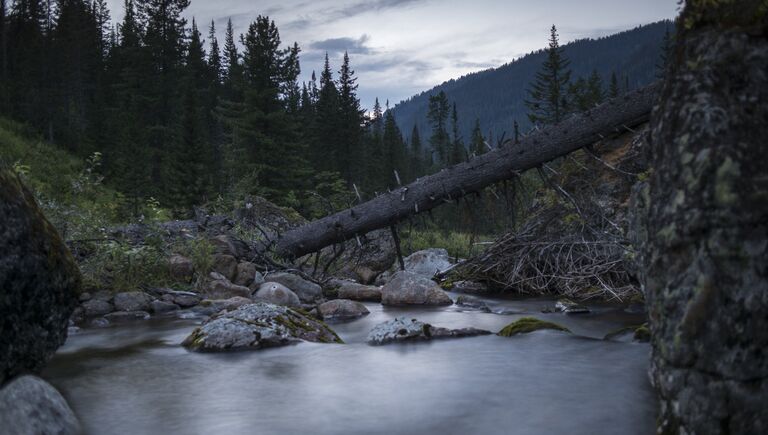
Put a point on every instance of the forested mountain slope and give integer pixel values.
(497, 96)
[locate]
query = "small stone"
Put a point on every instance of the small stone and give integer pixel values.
(341, 309)
(159, 307)
(96, 307)
(132, 301)
(99, 322)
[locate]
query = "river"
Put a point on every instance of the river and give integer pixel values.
(136, 379)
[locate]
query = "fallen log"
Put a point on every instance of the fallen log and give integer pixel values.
(612, 117)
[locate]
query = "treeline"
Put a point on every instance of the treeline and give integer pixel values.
(185, 121)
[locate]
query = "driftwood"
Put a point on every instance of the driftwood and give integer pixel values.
(614, 116)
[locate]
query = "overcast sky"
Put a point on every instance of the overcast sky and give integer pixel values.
(401, 47)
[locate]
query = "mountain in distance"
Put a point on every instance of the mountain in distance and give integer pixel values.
(497, 96)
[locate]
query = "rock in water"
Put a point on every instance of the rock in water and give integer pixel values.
(278, 294)
(529, 324)
(133, 301)
(403, 329)
(307, 291)
(341, 309)
(408, 288)
(29, 405)
(568, 306)
(258, 326)
(39, 282)
(359, 292)
(472, 303)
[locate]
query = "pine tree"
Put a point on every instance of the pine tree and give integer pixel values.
(439, 110)
(394, 152)
(417, 154)
(457, 151)
(595, 93)
(613, 88)
(214, 56)
(292, 70)
(548, 100)
(666, 53)
(349, 152)
(477, 144)
(325, 128)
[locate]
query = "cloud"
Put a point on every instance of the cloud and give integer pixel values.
(330, 15)
(350, 45)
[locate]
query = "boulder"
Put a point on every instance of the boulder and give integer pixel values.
(257, 326)
(529, 324)
(403, 329)
(568, 306)
(341, 309)
(96, 307)
(226, 265)
(358, 292)
(427, 262)
(227, 245)
(307, 291)
(278, 294)
(29, 405)
(223, 289)
(366, 262)
(39, 282)
(640, 334)
(126, 316)
(99, 322)
(181, 268)
(470, 302)
(245, 274)
(132, 301)
(408, 288)
(181, 298)
(159, 307)
(470, 287)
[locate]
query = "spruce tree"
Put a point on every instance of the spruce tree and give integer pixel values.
(416, 154)
(394, 152)
(325, 128)
(477, 144)
(439, 110)
(214, 56)
(457, 150)
(350, 155)
(613, 88)
(666, 53)
(547, 97)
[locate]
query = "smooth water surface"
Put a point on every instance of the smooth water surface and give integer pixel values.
(136, 379)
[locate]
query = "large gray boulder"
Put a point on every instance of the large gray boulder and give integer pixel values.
(341, 309)
(29, 405)
(96, 308)
(183, 299)
(257, 326)
(221, 288)
(245, 274)
(702, 238)
(359, 292)
(307, 291)
(39, 282)
(403, 329)
(427, 262)
(408, 288)
(133, 301)
(278, 294)
(226, 265)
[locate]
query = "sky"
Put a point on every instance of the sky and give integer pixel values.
(399, 48)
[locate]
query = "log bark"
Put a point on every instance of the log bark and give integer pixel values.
(609, 118)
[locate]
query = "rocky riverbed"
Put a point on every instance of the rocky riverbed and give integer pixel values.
(136, 377)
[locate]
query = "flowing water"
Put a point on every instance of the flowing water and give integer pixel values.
(136, 379)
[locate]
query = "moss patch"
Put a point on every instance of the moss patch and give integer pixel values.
(529, 324)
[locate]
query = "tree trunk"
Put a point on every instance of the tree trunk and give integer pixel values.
(452, 183)
(703, 235)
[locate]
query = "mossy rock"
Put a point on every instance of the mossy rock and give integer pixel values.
(529, 324)
(638, 333)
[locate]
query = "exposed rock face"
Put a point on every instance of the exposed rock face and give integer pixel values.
(257, 326)
(427, 262)
(359, 292)
(375, 257)
(703, 234)
(29, 405)
(39, 282)
(307, 291)
(132, 301)
(181, 268)
(278, 294)
(341, 309)
(403, 329)
(408, 288)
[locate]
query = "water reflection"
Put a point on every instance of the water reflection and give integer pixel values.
(136, 379)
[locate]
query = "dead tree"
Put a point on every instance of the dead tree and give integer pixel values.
(615, 116)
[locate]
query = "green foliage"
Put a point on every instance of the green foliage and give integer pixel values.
(200, 250)
(458, 244)
(121, 267)
(548, 99)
